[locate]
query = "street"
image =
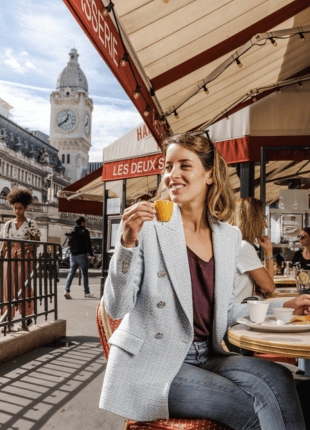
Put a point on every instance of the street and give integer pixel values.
(58, 386)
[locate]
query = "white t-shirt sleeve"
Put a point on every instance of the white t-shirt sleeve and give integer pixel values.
(248, 259)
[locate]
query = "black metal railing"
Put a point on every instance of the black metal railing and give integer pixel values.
(28, 281)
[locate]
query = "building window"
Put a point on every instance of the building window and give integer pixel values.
(67, 93)
(68, 158)
(63, 158)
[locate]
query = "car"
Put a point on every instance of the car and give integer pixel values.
(65, 258)
(96, 243)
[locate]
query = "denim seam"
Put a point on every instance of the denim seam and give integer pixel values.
(266, 383)
(202, 385)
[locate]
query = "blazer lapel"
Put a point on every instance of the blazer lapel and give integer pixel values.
(221, 295)
(172, 243)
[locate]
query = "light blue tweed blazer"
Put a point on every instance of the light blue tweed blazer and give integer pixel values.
(150, 286)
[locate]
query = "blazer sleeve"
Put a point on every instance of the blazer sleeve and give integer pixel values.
(124, 278)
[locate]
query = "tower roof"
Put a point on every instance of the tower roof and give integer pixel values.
(72, 75)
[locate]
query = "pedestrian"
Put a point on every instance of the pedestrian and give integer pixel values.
(173, 285)
(80, 246)
(21, 228)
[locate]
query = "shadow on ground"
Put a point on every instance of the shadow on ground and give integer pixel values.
(36, 385)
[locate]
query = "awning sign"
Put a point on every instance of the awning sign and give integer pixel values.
(133, 168)
(103, 34)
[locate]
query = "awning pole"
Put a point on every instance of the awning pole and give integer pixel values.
(104, 254)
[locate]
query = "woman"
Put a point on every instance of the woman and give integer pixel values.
(249, 218)
(166, 358)
(303, 256)
(25, 229)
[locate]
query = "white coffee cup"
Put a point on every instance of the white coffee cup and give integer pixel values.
(284, 314)
(258, 310)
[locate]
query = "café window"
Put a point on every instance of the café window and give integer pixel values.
(114, 189)
(68, 158)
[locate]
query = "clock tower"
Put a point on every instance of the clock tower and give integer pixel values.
(71, 118)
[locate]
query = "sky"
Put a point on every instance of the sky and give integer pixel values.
(35, 39)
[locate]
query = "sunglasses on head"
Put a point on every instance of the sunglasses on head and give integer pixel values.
(302, 236)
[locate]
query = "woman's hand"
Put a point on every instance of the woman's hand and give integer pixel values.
(27, 248)
(301, 305)
(133, 220)
(266, 244)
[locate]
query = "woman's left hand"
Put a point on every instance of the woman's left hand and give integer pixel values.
(266, 244)
(301, 304)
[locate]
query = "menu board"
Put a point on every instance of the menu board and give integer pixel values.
(291, 225)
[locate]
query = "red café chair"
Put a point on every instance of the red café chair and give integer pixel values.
(106, 326)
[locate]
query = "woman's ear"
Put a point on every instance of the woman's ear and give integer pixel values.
(209, 178)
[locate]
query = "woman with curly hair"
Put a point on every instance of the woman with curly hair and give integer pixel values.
(25, 229)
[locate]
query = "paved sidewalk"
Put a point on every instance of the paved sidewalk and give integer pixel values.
(58, 386)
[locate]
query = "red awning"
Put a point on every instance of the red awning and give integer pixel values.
(106, 39)
(133, 168)
(188, 52)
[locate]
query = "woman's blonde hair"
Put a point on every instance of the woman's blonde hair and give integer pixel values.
(249, 218)
(220, 198)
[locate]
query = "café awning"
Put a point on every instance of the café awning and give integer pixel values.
(182, 46)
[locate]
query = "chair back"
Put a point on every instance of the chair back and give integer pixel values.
(106, 326)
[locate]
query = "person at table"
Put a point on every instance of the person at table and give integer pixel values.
(173, 285)
(303, 256)
(251, 274)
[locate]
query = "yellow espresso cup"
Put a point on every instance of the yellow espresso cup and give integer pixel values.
(164, 210)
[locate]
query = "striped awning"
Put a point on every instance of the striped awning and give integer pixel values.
(185, 53)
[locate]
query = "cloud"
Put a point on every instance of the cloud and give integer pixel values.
(29, 87)
(36, 38)
(110, 123)
(17, 61)
(111, 119)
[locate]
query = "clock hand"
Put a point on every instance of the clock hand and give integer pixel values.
(64, 121)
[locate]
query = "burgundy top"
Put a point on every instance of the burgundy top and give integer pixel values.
(202, 273)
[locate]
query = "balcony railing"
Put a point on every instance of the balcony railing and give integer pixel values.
(28, 281)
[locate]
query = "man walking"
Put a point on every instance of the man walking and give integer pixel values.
(80, 245)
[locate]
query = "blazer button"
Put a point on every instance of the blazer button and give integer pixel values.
(161, 304)
(161, 274)
(158, 335)
(125, 265)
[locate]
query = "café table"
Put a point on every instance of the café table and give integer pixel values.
(286, 344)
(283, 293)
(284, 281)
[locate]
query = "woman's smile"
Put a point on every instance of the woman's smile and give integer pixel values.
(176, 188)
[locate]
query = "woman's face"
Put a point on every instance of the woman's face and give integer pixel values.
(185, 178)
(19, 210)
(304, 238)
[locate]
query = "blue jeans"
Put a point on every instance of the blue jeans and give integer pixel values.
(76, 261)
(242, 392)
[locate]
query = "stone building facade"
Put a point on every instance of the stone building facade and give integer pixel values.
(46, 164)
(28, 160)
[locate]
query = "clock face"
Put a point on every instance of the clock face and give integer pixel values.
(66, 120)
(87, 124)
